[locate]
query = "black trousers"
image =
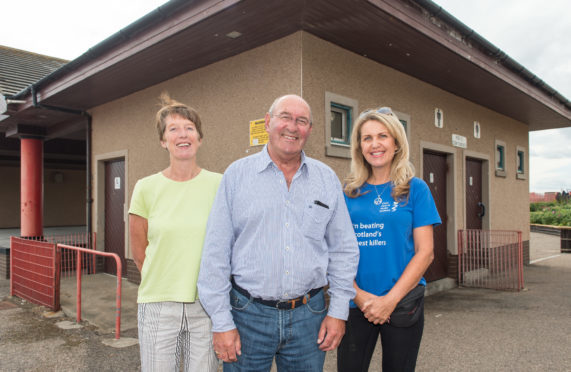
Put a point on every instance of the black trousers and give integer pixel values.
(400, 345)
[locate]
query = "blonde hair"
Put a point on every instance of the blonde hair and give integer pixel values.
(171, 107)
(402, 170)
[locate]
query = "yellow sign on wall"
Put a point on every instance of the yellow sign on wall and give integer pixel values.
(258, 134)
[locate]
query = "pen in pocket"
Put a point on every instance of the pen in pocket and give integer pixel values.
(317, 202)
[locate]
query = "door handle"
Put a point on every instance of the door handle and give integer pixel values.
(482, 212)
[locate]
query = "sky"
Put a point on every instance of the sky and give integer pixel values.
(535, 33)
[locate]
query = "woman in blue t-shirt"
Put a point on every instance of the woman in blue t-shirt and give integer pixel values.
(393, 214)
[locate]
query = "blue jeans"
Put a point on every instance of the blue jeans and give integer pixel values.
(288, 335)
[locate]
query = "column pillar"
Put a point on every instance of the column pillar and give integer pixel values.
(31, 187)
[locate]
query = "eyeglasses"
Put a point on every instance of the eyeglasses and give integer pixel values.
(287, 118)
(381, 110)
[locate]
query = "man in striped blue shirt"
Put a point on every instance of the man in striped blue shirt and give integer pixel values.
(278, 232)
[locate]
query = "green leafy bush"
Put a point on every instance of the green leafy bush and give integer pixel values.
(534, 207)
(550, 214)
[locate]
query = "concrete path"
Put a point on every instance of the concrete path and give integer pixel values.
(466, 329)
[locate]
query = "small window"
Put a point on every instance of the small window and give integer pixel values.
(340, 112)
(520, 163)
(500, 158)
(341, 119)
(477, 129)
(438, 118)
(403, 122)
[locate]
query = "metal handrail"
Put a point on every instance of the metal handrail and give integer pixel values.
(78, 274)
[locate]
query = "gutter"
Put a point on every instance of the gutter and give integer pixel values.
(492, 51)
(89, 199)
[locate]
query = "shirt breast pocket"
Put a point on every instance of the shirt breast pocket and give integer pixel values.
(316, 216)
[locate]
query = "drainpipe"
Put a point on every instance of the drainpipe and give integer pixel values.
(89, 199)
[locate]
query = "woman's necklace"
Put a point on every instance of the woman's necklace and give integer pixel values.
(378, 200)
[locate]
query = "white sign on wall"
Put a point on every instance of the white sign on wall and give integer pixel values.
(459, 141)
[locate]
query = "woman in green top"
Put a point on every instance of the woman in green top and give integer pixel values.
(167, 222)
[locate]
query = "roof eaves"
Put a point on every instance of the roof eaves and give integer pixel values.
(493, 51)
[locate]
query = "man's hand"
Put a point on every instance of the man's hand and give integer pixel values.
(330, 333)
(227, 345)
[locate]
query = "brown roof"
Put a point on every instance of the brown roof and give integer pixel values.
(19, 69)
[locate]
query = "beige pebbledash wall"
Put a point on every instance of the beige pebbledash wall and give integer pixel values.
(230, 93)
(227, 95)
(330, 68)
(64, 197)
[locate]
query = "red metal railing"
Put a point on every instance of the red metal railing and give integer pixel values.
(67, 258)
(80, 253)
(34, 272)
(490, 259)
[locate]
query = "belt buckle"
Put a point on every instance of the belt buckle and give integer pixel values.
(291, 302)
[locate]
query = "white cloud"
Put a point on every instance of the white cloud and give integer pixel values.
(67, 28)
(535, 34)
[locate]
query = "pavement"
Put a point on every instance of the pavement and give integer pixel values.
(465, 328)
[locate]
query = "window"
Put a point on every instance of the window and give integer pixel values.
(405, 121)
(500, 158)
(520, 163)
(438, 118)
(341, 119)
(477, 130)
(339, 115)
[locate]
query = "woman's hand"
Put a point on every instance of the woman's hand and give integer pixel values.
(378, 310)
(138, 227)
(363, 297)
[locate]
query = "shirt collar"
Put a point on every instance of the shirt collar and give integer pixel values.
(265, 161)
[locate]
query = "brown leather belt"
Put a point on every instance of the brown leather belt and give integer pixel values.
(278, 304)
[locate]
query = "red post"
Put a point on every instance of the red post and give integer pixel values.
(119, 282)
(32, 187)
(78, 289)
(118, 298)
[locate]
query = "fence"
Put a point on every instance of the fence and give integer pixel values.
(80, 254)
(67, 258)
(490, 259)
(34, 272)
(36, 266)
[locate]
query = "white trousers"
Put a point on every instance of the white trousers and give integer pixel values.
(175, 336)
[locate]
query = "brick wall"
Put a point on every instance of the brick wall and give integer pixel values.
(453, 266)
(525, 244)
(133, 274)
(5, 263)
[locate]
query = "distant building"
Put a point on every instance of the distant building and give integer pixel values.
(535, 197)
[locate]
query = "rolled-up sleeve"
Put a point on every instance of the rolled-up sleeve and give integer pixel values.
(343, 257)
(214, 277)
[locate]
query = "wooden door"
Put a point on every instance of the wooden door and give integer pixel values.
(114, 209)
(475, 208)
(435, 170)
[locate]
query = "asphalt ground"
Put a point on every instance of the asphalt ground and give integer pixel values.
(465, 329)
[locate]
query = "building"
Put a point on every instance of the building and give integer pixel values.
(535, 197)
(64, 175)
(467, 107)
